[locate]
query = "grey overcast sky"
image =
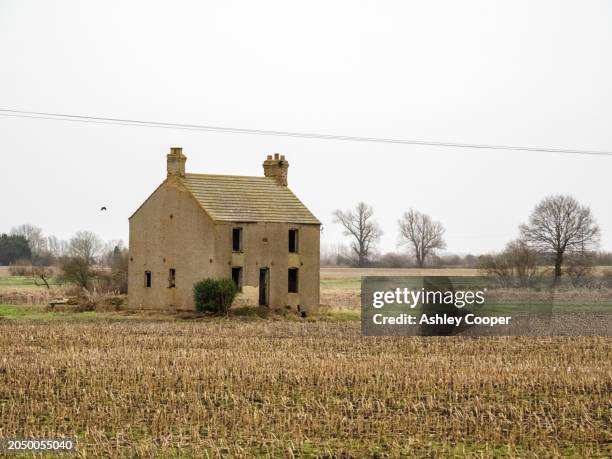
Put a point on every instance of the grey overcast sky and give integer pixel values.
(535, 73)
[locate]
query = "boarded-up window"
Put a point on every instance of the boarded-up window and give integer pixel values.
(293, 280)
(237, 239)
(148, 279)
(172, 278)
(293, 241)
(237, 278)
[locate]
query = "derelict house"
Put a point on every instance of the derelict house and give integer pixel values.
(253, 230)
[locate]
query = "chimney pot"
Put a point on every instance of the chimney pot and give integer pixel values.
(275, 155)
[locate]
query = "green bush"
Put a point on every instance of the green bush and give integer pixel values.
(214, 295)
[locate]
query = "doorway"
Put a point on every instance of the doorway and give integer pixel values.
(264, 286)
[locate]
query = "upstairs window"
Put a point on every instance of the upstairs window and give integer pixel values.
(237, 239)
(293, 241)
(172, 278)
(293, 280)
(148, 279)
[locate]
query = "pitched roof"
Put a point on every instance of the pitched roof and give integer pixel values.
(247, 199)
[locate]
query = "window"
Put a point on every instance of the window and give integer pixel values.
(293, 241)
(172, 278)
(293, 280)
(237, 278)
(148, 279)
(237, 239)
(264, 284)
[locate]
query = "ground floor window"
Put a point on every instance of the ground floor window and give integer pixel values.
(237, 278)
(264, 284)
(293, 280)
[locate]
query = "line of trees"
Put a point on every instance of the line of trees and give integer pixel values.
(84, 261)
(418, 231)
(422, 236)
(559, 231)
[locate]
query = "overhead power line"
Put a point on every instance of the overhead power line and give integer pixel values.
(303, 135)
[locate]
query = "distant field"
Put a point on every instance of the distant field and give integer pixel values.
(41, 313)
(357, 273)
(329, 276)
(350, 278)
(340, 287)
(25, 282)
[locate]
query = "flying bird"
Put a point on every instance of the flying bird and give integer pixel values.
(102, 208)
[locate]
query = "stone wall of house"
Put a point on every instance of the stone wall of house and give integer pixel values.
(169, 231)
(266, 245)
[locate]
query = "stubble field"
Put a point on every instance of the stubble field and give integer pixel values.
(244, 386)
(284, 388)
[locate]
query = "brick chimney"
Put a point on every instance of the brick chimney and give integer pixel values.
(175, 161)
(277, 168)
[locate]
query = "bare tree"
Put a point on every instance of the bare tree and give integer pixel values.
(110, 251)
(58, 248)
(559, 224)
(39, 245)
(580, 267)
(423, 235)
(360, 224)
(516, 265)
(335, 254)
(78, 267)
(78, 271)
(119, 270)
(86, 246)
(524, 261)
(33, 235)
(497, 265)
(42, 273)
